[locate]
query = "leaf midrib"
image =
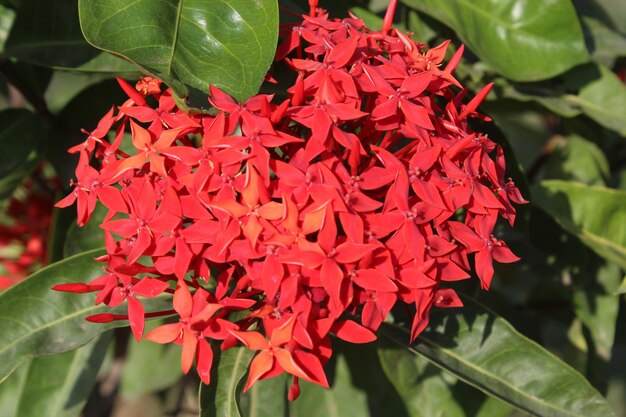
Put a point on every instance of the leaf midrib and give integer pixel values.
(175, 37)
(232, 384)
(436, 347)
(47, 325)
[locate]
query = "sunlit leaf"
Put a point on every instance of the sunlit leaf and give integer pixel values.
(512, 36)
(191, 43)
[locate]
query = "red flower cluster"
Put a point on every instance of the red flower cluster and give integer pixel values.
(23, 233)
(278, 223)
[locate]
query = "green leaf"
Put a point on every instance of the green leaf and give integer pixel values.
(48, 34)
(192, 43)
(425, 389)
(7, 16)
(45, 322)
(597, 307)
(610, 12)
(591, 89)
(605, 44)
(87, 237)
(219, 398)
(358, 387)
(512, 36)
(140, 376)
(343, 399)
(20, 134)
(594, 214)
(577, 159)
(603, 98)
(523, 125)
(484, 350)
(10, 390)
(59, 385)
(266, 398)
(622, 287)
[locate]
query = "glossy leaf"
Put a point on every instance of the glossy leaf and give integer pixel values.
(594, 214)
(513, 37)
(266, 398)
(48, 34)
(425, 389)
(59, 385)
(603, 99)
(484, 350)
(219, 398)
(39, 321)
(140, 376)
(20, 134)
(189, 43)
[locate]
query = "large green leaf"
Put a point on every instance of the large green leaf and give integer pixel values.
(425, 389)
(140, 376)
(603, 99)
(37, 321)
(219, 398)
(605, 44)
(484, 350)
(525, 41)
(591, 89)
(359, 387)
(578, 159)
(48, 33)
(20, 134)
(597, 307)
(343, 399)
(594, 214)
(10, 390)
(189, 43)
(59, 385)
(610, 12)
(266, 398)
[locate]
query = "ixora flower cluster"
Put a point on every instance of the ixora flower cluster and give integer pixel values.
(277, 224)
(24, 230)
